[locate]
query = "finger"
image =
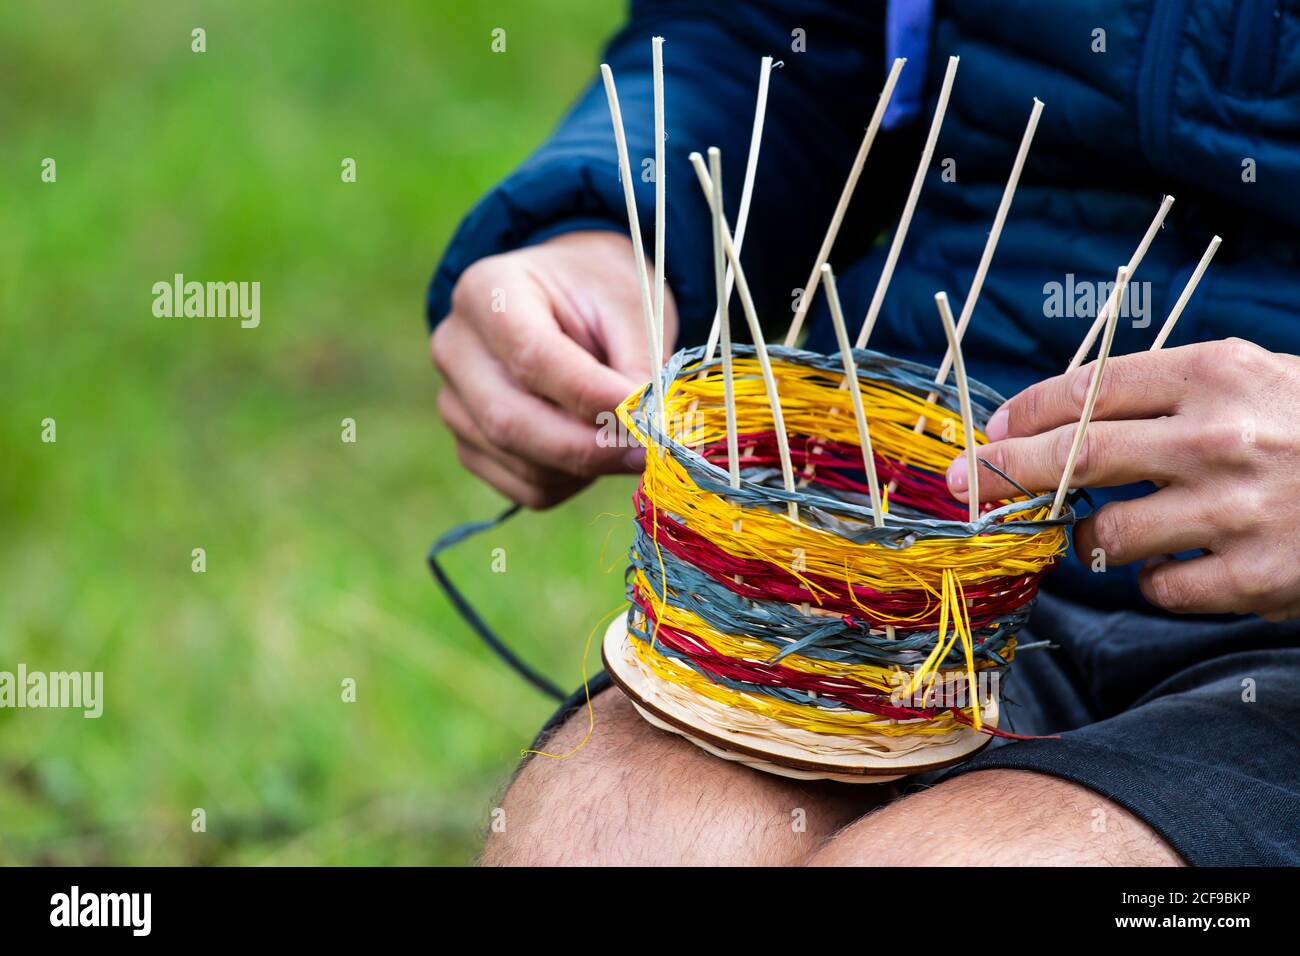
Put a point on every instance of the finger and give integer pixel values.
(1166, 522)
(509, 484)
(1286, 612)
(462, 425)
(537, 354)
(516, 421)
(1112, 453)
(1144, 385)
(627, 351)
(1195, 586)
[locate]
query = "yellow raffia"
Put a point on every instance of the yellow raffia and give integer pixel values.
(586, 687)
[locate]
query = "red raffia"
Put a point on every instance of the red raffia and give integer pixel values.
(850, 693)
(763, 580)
(839, 467)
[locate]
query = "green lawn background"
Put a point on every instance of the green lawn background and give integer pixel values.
(223, 689)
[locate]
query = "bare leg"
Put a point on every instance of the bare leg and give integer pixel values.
(1000, 818)
(635, 795)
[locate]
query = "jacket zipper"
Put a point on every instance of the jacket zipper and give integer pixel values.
(1250, 62)
(1156, 78)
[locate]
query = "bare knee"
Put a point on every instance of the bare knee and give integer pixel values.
(635, 795)
(1001, 818)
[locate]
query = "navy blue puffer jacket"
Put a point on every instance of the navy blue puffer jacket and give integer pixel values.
(1201, 100)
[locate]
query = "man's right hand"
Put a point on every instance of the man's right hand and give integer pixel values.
(538, 343)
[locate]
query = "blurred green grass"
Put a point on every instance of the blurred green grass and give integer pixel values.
(222, 690)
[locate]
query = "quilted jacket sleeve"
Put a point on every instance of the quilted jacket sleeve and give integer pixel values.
(831, 66)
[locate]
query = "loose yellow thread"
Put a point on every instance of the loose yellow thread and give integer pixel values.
(586, 687)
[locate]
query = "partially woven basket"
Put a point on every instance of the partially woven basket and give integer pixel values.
(811, 640)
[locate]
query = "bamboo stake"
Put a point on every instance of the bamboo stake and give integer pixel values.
(859, 413)
(1188, 289)
(746, 196)
(638, 248)
(846, 194)
(657, 60)
(719, 281)
(895, 247)
(963, 397)
(728, 379)
(1111, 302)
(1121, 280)
(986, 258)
(851, 376)
(904, 223)
(756, 332)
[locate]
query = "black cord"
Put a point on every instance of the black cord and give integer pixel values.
(490, 637)
(1072, 497)
(470, 616)
(1005, 477)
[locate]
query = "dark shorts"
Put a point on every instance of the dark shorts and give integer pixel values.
(1192, 725)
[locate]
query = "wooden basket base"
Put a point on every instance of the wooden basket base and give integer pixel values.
(775, 756)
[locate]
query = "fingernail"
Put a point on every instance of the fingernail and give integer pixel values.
(957, 477)
(996, 429)
(634, 460)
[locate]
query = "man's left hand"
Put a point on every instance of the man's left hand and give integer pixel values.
(1216, 427)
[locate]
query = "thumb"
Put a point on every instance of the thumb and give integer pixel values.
(626, 344)
(628, 351)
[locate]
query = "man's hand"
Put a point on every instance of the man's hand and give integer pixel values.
(1216, 427)
(538, 343)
